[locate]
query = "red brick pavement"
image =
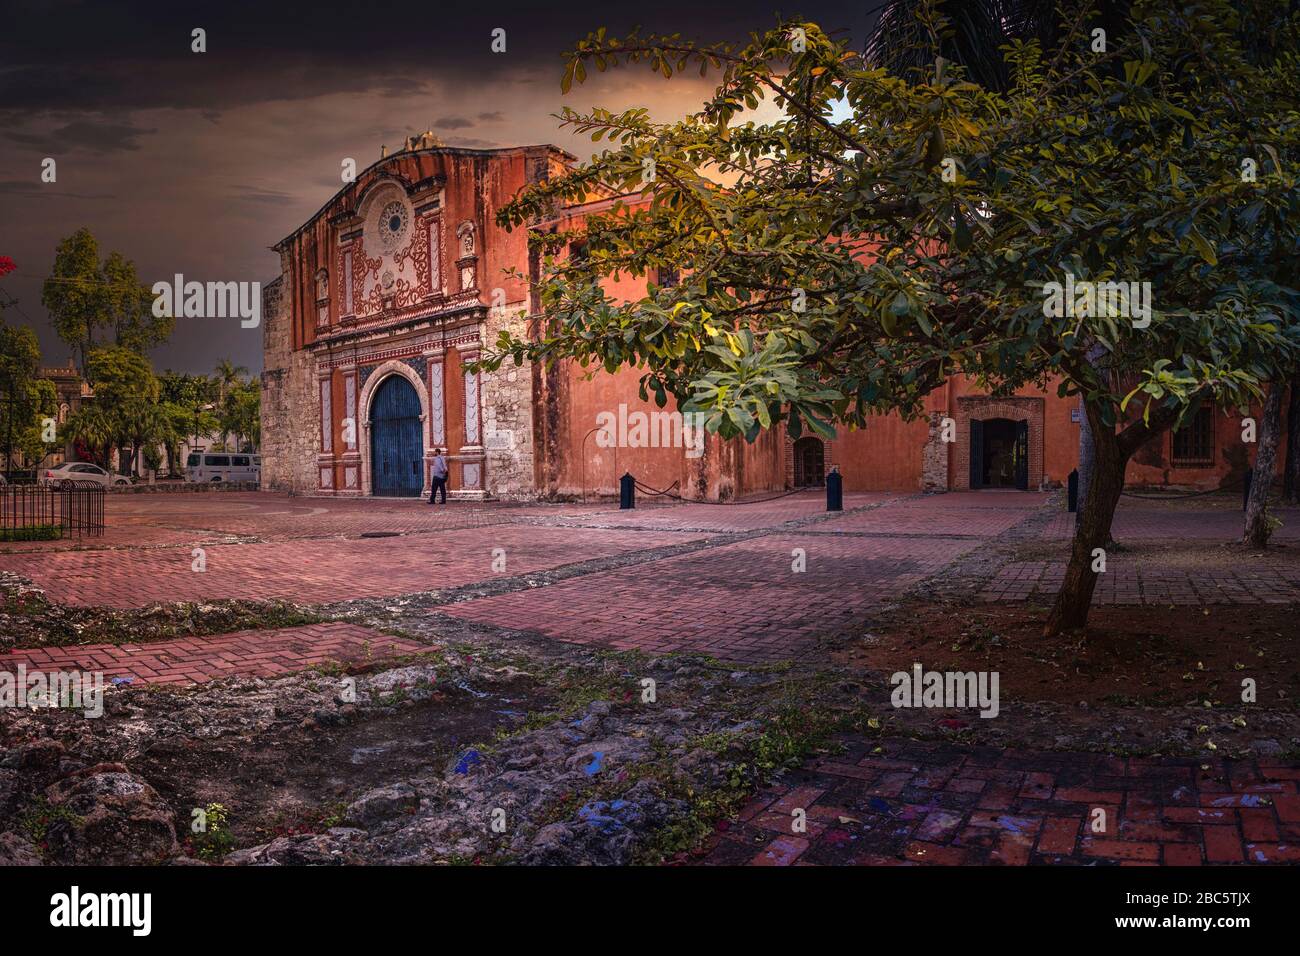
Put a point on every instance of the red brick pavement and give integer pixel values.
(934, 516)
(746, 516)
(1144, 522)
(257, 653)
(740, 601)
(150, 520)
(924, 803)
(1133, 580)
(320, 571)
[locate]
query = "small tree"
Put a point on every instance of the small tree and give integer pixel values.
(93, 303)
(93, 430)
(834, 267)
(23, 397)
(126, 393)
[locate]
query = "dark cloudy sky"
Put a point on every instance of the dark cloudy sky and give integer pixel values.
(198, 163)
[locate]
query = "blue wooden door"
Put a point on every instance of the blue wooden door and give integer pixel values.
(396, 441)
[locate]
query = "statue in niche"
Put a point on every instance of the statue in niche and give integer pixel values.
(322, 285)
(466, 240)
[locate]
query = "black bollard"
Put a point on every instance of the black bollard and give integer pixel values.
(626, 492)
(835, 490)
(1072, 491)
(1245, 488)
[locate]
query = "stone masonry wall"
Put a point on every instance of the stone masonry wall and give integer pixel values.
(934, 456)
(290, 403)
(507, 397)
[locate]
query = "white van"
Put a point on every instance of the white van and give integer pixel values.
(223, 466)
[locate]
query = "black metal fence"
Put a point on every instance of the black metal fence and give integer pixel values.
(42, 512)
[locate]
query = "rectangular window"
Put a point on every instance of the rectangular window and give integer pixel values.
(240, 461)
(218, 461)
(1194, 442)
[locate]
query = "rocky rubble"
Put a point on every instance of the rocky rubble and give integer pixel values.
(585, 781)
(107, 815)
(533, 798)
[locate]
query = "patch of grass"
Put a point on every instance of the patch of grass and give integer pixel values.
(29, 619)
(35, 822)
(38, 532)
(310, 820)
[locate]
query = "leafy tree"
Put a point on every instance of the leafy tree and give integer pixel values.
(93, 430)
(129, 306)
(142, 424)
(21, 397)
(29, 437)
(227, 375)
(851, 265)
(187, 400)
(126, 391)
(240, 413)
(979, 30)
(87, 299)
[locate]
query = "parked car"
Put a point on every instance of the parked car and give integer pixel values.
(76, 471)
(223, 466)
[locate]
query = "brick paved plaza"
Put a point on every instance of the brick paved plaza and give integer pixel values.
(243, 653)
(751, 583)
(719, 579)
(925, 803)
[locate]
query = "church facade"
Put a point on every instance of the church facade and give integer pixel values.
(402, 279)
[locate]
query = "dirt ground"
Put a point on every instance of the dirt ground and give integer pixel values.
(1128, 655)
(300, 779)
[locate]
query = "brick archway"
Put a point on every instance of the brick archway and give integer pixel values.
(983, 407)
(830, 456)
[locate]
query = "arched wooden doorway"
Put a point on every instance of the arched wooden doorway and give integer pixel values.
(396, 440)
(809, 463)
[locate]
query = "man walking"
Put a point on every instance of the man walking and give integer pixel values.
(439, 477)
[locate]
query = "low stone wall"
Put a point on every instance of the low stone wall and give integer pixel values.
(172, 487)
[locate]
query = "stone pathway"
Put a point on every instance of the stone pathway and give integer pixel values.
(924, 803)
(191, 660)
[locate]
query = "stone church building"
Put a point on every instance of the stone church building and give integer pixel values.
(404, 277)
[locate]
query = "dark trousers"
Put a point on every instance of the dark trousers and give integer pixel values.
(439, 484)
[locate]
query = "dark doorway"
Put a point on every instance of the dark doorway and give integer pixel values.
(396, 440)
(999, 454)
(809, 463)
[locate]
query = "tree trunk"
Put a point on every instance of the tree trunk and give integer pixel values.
(1291, 477)
(1257, 524)
(1092, 531)
(1087, 462)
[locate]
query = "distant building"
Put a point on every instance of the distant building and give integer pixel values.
(71, 390)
